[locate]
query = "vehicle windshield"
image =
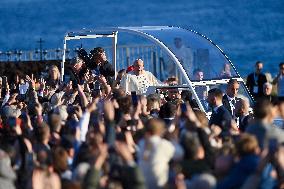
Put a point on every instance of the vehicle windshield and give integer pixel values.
(194, 52)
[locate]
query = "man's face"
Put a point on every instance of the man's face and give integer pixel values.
(138, 67)
(282, 69)
(53, 73)
(233, 90)
(258, 67)
(77, 66)
(211, 100)
(173, 94)
(199, 76)
(102, 56)
(267, 90)
(178, 43)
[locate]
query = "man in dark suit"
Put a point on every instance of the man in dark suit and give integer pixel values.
(220, 115)
(230, 99)
(256, 80)
(242, 112)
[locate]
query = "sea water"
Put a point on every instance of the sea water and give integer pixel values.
(245, 30)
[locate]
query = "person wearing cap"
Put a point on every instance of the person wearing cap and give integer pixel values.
(73, 72)
(139, 79)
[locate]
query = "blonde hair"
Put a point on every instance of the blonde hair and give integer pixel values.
(57, 70)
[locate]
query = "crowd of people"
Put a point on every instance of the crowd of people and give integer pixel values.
(96, 131)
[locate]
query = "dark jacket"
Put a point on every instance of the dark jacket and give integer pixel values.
(244, 122)
(239, 173)
(226, 103)
(105, 69)
(131, 177)
(271, 98)
(74, 77)
(222, 117)
(251, 83)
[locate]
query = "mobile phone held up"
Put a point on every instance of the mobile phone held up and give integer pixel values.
(183, 108)
(134, 98)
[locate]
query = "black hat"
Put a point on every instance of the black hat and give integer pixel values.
(82, 54)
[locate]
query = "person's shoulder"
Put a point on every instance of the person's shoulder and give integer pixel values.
(250, 75)
(225, 97)
(223, 110)
(167, 146)
(238, 98)
(130, 74)
(148, 72)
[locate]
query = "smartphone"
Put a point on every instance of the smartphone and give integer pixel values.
(100, 106)
(183, 108)
(66, 78)
(12, 122)
(4, 81)
(134, 98)
(131, 122)
(23, 88)
(273, 145)
(21, 97)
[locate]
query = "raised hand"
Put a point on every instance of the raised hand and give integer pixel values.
(103, 153)
(92, 106)
(123, 150)
(109, 111)
(42, 83)
(31, 81)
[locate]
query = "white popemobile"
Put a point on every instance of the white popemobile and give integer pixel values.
(166, 52)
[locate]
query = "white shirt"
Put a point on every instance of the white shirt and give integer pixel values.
(131, 82)
(153, 159)
(231, 103)
(185, 55)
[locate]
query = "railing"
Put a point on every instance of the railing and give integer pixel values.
(124, 53)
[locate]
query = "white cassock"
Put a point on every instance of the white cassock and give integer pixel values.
(185, 56)
(131, 82)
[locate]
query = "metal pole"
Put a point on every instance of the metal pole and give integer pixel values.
(40, 47)
(114, 45)
(63, 58)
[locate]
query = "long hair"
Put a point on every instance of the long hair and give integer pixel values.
(57, 70)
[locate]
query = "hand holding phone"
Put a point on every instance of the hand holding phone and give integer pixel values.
(183, 108)
(273, 146)
(134, 98)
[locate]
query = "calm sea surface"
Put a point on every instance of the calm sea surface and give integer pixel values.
(246, 30)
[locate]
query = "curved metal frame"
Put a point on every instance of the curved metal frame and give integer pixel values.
(137, 31)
